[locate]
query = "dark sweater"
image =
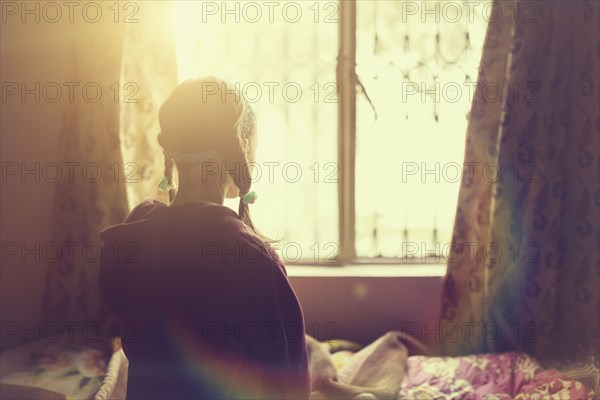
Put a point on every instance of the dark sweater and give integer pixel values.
(205, 307)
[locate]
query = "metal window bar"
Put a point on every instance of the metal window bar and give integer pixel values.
(347, 89)
(348, 84)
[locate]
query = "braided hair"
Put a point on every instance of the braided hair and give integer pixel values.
(204, 114)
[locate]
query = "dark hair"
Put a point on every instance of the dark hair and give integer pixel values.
(209, 114)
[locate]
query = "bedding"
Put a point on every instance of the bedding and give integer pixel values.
(503, 376)
(484, 376)
(73, 371)
(374, 371)
(392, 367)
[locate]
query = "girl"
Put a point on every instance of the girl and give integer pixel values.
(204, 304)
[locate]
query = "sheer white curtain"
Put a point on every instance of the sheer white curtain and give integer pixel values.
(148, 75)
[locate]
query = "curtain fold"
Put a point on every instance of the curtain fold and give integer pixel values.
(113, 142)
(532, 281)
(464, 297)
(91, 197)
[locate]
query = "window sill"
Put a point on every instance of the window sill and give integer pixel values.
(368, 270)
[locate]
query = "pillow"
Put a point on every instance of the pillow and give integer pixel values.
(73, 371)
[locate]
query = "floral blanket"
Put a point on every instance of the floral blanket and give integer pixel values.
(73, 371)
(505, 376)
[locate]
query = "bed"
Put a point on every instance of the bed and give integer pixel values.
(508, 375)
(63, 370)
(339, 369)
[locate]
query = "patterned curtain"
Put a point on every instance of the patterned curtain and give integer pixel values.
(90, 198)
(524, 272)
(111, 142)
(149, 75)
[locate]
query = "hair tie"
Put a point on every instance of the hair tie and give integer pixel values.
(164, 184)
(249, 198)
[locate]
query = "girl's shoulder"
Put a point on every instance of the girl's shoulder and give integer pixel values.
(261, 254)
(143, 209)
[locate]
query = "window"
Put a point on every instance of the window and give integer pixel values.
(361, 107)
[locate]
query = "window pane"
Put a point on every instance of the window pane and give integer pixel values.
(418, 62)
(283, 56)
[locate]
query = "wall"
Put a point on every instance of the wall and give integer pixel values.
(362, 308)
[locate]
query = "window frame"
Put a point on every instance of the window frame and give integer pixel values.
(347, 82)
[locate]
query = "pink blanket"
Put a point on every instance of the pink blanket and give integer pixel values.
(384, 370)
(504, 376)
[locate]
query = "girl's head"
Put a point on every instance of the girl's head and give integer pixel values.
(204, 115)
